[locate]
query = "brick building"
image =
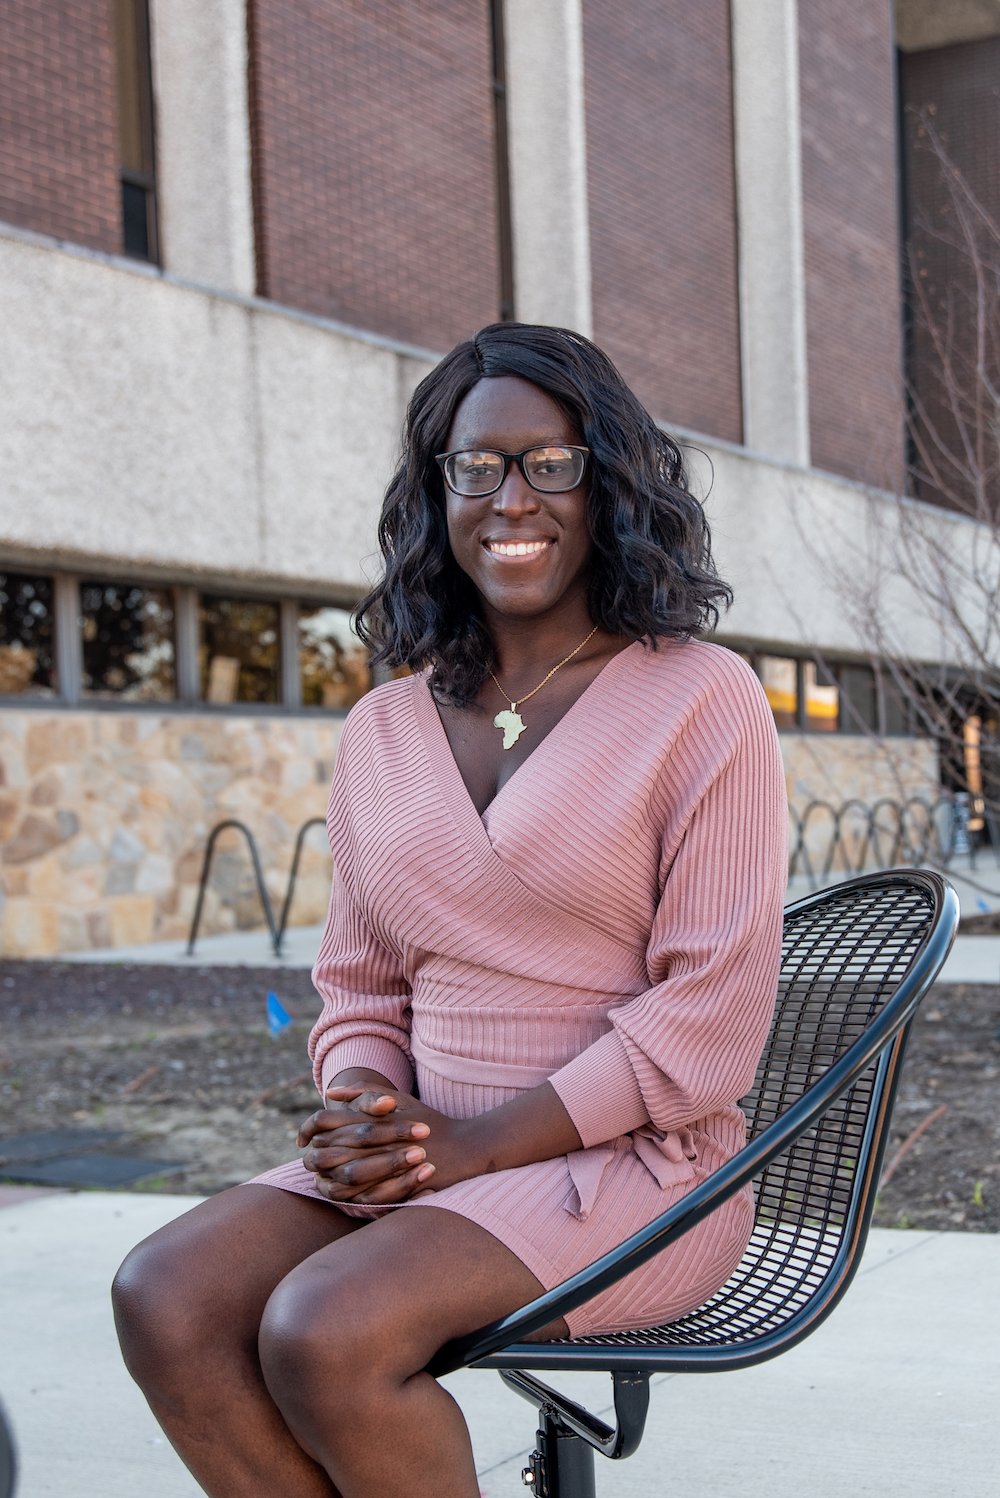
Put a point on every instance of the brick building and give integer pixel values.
(234, 233)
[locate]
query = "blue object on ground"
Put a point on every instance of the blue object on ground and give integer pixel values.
(278, 1017)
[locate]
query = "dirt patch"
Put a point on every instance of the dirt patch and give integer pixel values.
(983, 923)
(182, 1064)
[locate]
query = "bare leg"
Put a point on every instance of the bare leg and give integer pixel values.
(188, 1305)
(346, 1336)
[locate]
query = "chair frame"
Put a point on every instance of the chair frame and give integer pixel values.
(562, 1464)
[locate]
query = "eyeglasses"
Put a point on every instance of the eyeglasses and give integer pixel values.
(550, 470)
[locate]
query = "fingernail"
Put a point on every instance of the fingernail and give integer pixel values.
(425, 1172)
(414, 1155)
(420, 1131)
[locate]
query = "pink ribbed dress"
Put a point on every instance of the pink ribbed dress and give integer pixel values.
(610, 923)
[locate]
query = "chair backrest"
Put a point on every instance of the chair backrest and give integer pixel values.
(845, 953)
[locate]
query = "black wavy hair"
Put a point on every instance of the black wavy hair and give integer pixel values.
(651, 575)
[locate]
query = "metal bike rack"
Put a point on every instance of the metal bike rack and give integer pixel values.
(276, 929)
(914, 831)
(213, 837)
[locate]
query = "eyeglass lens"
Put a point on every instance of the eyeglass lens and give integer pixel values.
(549, 469)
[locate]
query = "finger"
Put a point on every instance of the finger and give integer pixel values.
(399, 1189)
(368, 1133)
(378, 1193)
(325, 1120)
(377, 1103)
(333, 1157)
(361, 1168)
(367, 1098)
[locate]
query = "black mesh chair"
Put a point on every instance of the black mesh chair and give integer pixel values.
(856, 961)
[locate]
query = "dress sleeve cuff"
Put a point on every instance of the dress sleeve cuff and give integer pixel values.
(371, 1051)
(600, 1093)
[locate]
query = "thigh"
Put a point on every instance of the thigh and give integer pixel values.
(396, 1292)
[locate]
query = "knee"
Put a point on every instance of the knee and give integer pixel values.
(320, 1349)
(298, 1334)
(156, 1313)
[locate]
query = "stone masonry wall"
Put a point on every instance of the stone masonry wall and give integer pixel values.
(104, 818)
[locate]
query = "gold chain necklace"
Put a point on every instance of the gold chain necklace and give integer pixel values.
(510, 722)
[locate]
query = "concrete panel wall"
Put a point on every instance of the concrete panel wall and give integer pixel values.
(548, 163)
(199, 54)
(819, 561)
(148, 420)
(772, 311)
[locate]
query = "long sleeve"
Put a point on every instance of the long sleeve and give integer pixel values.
(689, 1044)
(365, 1019)
(365, 1015)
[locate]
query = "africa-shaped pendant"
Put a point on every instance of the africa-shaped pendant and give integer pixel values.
(512, 724)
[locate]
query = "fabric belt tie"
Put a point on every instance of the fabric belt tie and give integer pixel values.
(670, 1158)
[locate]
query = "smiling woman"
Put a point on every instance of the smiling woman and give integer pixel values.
(651, 574)
(549, 963)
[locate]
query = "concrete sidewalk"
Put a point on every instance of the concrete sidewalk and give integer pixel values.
(973, 959)
(896, 1395)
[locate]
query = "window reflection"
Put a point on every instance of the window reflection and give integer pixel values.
(333, 664)
(239, 650)
(128, 642)
(822, 698)
(859, 708)
(779, 675)
(898, 715)
(27, 635)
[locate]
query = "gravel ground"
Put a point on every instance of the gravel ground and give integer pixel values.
(179, 1065)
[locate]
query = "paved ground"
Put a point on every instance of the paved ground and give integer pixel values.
(974, 959)
(896, 1395)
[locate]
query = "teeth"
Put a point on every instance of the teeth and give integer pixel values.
(516, 548)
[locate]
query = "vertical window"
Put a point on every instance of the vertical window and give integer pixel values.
(128, 642)
(27, 635)
(972, 734)
(135, 129)
(333, 664)
(858, 701)
(239, 650)
(779, 675)
(821, 698)
(895, 716)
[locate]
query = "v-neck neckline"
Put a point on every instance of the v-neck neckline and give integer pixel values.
(437, 738)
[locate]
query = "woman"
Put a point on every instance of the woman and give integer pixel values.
(550, 959)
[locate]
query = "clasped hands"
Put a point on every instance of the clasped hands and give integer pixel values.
(378, 1146)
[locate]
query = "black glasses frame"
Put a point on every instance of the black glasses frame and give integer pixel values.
(508, 458)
